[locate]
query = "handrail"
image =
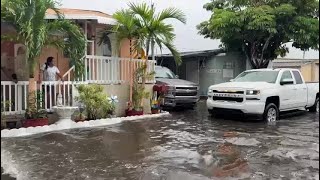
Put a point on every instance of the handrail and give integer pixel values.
(68, 71)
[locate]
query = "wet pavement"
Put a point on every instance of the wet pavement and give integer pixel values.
(189, 145)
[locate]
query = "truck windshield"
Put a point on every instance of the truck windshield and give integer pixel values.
(162, 72)
(257, 76)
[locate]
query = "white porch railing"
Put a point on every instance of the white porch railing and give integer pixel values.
(111, 70)
(99, 70)
(16, 94)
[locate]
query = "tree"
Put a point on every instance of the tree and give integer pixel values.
(145, 28)
(155, 30)
(35, 32)
(126, 28)
(261, 28)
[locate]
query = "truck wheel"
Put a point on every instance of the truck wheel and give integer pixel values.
(315, 107)
(271, 113)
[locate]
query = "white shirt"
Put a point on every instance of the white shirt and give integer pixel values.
(50, 73)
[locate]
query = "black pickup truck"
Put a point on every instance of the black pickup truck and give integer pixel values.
(179, 92)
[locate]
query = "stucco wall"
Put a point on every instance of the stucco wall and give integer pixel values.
(306, 71)
(310, 72)
(122, 92)
(214, 70)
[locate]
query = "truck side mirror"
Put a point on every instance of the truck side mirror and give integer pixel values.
(286, 81)
(177, 76)
(231, 80)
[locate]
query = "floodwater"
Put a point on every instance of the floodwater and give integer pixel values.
(189, 145)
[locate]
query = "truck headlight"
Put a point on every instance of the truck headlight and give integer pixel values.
(252, 92)
(209, 90)
(170, 90)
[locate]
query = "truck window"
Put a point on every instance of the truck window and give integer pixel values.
(286, 75)
(297, 76)
(257, 76)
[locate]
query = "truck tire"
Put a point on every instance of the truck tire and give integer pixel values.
(271, 113)
(315, 107)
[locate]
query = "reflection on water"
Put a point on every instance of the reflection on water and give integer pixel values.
(189, 145)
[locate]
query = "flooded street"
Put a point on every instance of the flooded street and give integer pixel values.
(189, 145)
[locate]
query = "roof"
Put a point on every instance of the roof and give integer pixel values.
(203, 53)
(101, 17)
(283, 60)
(67, 11)
(296, 63)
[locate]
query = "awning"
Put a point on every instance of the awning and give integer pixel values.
(100, 20)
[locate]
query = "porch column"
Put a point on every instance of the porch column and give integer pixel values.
(86, 50)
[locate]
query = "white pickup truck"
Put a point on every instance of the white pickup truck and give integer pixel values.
(264, 92)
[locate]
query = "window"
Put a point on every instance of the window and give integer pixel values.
(297, 76)
(257, 76)
(163, 72)
(228, 65)
(286, 75)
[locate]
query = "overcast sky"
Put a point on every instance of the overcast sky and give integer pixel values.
(187, 35)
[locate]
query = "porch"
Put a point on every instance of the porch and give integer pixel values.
(111, 72)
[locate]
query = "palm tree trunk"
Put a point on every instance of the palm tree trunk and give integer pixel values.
(152, 49)
(32, 88)
(131, 74)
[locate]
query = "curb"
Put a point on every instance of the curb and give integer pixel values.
(6, 133)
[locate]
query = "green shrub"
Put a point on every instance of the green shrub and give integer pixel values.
(35, 108)
(95, 101)
(139, 92)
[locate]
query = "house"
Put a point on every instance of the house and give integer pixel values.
(206, 67)
(105, 64)
(308, 67)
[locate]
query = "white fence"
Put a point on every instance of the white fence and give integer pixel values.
(98, 70)
(111, 70)
(14, 95)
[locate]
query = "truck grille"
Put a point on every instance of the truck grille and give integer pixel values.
(232, 96)
(229, 92)
(232, 99)
(186, 91)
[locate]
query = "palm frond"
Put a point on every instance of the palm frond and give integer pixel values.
(172, 13)
(35, 32)
(174, 52)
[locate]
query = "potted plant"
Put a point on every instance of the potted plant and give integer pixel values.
(155, 105)
(139, 93)
(95, 101)
(35, 115)
(113, 100)
(9, 124)
(80, 117)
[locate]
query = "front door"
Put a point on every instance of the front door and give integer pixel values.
(301, 90)
(192, 71)
(20, 62)
(287, 92)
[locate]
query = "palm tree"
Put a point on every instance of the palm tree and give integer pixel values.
(35, 32)
(125, 29)
(156, 30)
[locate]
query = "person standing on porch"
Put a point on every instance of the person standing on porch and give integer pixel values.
(50, 71)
